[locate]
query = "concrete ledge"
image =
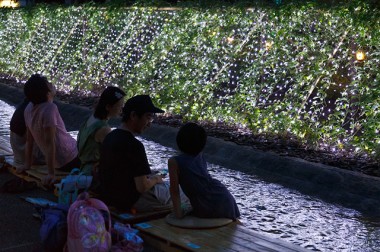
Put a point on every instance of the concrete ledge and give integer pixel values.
(351, 189)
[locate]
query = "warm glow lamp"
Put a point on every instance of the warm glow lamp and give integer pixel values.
(360, 55)
(9, 3)
(268, 45)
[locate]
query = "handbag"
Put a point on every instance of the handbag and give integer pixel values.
(73, 184)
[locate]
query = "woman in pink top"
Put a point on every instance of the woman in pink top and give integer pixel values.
(45, 127)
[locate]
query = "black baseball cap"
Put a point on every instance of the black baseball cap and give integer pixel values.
(141, 104)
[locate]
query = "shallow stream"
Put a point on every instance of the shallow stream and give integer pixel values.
(275, 210)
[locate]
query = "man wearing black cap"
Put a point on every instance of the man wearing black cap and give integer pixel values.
(125, 175)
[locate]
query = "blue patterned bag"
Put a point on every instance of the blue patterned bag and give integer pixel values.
(69, 188)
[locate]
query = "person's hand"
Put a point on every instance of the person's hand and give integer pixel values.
(48, 180)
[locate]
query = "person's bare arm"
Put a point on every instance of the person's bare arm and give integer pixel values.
(144, 183)
(50, 148)
(28, 152)
(174, 188)
(102, 133)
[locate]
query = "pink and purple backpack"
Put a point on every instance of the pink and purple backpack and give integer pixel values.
(89, 226)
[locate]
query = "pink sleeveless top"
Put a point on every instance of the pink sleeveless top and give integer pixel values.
(40, 116)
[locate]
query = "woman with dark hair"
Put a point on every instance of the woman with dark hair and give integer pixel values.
(95, 128)
(209, 198)
(45, 127)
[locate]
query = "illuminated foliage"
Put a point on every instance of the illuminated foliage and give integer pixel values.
(286, 70)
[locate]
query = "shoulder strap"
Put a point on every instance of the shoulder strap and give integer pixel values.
(98, 204)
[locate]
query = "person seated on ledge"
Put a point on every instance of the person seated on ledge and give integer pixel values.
(127, 182)
(45, 127)
(209, 198)
(18, 138)
(93, 131)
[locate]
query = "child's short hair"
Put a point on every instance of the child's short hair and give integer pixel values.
(191, 138)
(36, 89)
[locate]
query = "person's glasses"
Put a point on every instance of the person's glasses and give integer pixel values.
(150, 117)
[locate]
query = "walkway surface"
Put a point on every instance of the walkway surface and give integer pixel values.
(19, 230)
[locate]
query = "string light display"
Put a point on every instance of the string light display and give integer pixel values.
(284, 71)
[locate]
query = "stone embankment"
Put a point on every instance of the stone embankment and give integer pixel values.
(351, 189)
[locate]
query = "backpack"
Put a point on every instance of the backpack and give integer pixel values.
(89, 225)
(53, 230)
